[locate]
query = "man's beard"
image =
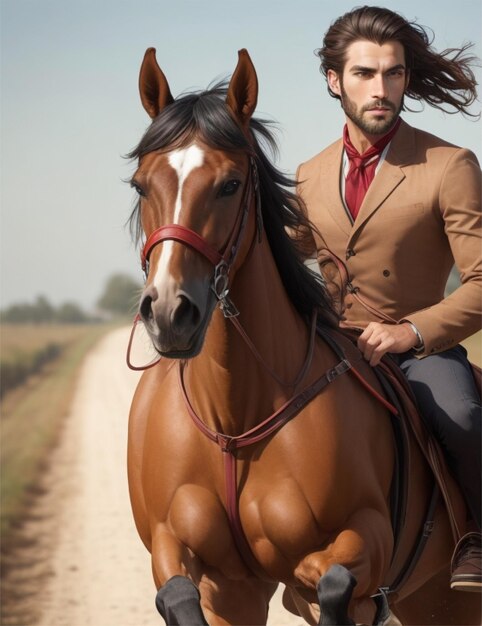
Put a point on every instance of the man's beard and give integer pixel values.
(373, 126)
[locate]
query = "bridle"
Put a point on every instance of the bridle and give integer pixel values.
(221, 260)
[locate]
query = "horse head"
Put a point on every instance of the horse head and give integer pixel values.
(196, 184)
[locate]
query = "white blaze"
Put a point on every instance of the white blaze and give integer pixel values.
(183, 161)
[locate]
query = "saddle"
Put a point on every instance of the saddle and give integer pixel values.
(409, 430)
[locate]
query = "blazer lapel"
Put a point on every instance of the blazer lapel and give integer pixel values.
(389, 176)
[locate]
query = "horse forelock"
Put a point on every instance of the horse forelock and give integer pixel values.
(204, 116)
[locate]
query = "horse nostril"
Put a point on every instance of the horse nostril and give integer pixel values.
(149, 296)
(145, 309)
(186, 313)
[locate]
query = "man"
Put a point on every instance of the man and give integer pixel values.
(399, 206)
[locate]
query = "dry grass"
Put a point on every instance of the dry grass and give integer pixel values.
(32, 415)
(30, 337)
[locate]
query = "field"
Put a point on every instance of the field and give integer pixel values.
(32, 413)
(26, 350)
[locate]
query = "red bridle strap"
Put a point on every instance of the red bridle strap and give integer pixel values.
(184, 235)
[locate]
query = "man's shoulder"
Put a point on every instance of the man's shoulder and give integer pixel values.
(425, 138)
(428, 140)
(412, 144)
(328, 154)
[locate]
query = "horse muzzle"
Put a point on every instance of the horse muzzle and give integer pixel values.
(177, 318)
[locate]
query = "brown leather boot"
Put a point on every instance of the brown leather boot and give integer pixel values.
(467, 564)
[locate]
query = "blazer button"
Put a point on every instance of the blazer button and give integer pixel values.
(386, 273)
(349, 253)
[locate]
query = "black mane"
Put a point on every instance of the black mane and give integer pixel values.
(204, 115)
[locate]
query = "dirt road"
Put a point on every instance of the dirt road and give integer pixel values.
(82, 563)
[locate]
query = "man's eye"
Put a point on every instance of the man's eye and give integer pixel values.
(230, 188)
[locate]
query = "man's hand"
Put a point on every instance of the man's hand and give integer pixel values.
(377, 339)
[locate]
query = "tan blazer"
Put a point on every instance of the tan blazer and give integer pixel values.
(421, 214)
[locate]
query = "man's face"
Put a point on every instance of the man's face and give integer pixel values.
(372, 85)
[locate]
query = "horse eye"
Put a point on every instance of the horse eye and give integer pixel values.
(230, 188)
(138, 188)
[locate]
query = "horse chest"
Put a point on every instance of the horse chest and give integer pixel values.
(278, 523)
(278, 520)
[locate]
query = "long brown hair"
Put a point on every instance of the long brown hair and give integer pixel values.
(444, 78)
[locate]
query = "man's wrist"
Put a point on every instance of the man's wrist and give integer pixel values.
(419, 346)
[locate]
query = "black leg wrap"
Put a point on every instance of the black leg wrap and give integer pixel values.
(334, 593)
(178, 601)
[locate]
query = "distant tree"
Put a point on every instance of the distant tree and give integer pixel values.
(71, 313)
(42, 310)
(120, 295)
(17, 313)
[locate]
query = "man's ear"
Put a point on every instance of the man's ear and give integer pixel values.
(333, 82)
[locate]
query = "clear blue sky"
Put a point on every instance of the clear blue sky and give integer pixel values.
(70, 110)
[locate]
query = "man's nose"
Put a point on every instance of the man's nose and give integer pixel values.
(379, 87)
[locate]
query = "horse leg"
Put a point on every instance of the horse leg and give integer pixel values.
(334, 591)
(235, 602)
(176, 572)
(178, 601)
(193, 593)
(360, 554)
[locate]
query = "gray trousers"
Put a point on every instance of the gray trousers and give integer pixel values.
(449, 402)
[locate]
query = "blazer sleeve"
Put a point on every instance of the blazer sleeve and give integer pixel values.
(457, 316)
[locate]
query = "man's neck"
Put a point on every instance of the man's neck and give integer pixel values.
(360, 139)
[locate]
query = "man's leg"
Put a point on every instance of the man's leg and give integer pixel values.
(448, 399)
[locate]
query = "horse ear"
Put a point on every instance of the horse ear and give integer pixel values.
(243, 89)
(153, 86)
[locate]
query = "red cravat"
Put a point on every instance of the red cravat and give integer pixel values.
(362, 168)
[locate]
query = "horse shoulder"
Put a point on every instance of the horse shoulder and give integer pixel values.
(137, 444)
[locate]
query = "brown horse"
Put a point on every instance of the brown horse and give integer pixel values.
(256, 456)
